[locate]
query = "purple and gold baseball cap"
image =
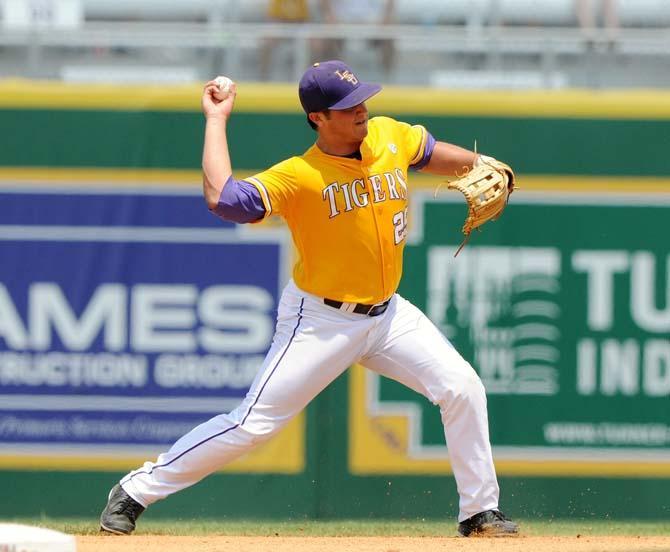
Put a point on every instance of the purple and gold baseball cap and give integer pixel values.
(333, 85)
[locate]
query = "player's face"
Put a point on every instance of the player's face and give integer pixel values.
(350, 125)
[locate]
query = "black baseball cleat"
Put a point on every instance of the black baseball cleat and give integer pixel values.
(121, 512)
(491, 523)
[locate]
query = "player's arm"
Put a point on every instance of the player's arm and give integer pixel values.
(230, 199)
(389, 10)
(442, 158)
(216, 166)
(449, 160)
(455, 161)
(327, 11)
(432, 156)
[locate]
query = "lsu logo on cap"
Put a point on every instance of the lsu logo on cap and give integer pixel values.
(347, 76)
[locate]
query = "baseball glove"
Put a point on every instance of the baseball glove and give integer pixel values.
(486, 188)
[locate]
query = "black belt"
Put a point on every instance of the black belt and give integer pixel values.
(360, 308)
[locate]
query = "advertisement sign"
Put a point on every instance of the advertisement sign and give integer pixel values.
(563, 308)
(126, 319)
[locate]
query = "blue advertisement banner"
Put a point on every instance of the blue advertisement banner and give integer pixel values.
(127, 318)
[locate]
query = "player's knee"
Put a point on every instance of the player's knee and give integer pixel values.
(467, 388)
(256, 433)
(258, 437)
(474, 388)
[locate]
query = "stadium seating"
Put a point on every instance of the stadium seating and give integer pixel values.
(532, 41)
(634, 13)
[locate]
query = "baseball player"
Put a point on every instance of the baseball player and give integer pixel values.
(345, 202)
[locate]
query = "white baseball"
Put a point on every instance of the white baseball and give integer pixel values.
(224, 84)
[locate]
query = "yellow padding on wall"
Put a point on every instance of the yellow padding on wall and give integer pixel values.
(283, 98)
(131, 177)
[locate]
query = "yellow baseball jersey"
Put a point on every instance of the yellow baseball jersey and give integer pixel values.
(348, 217)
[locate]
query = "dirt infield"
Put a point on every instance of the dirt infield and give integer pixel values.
(148, 543)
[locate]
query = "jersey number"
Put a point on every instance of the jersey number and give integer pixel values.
(400, 224)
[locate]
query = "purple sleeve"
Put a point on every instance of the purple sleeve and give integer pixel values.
(239, 202)
(427, 153)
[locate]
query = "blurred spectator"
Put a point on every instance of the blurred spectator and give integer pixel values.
(359, 11)
(281, 11)
(591, 12)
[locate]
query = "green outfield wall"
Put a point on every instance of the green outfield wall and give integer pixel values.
(579, 132)
(563, 305)
(173, 140)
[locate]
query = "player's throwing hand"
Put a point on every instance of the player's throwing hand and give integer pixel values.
(215, 107)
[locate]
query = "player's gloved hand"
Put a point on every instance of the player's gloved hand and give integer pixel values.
(486, 189)
(485, 160)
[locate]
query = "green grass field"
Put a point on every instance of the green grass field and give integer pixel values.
(558, 527)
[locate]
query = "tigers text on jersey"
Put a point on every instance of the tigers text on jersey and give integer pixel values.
(348, 217)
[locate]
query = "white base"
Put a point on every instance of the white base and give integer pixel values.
(25, 538)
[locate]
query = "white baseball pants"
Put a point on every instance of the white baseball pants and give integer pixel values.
(313, 344)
